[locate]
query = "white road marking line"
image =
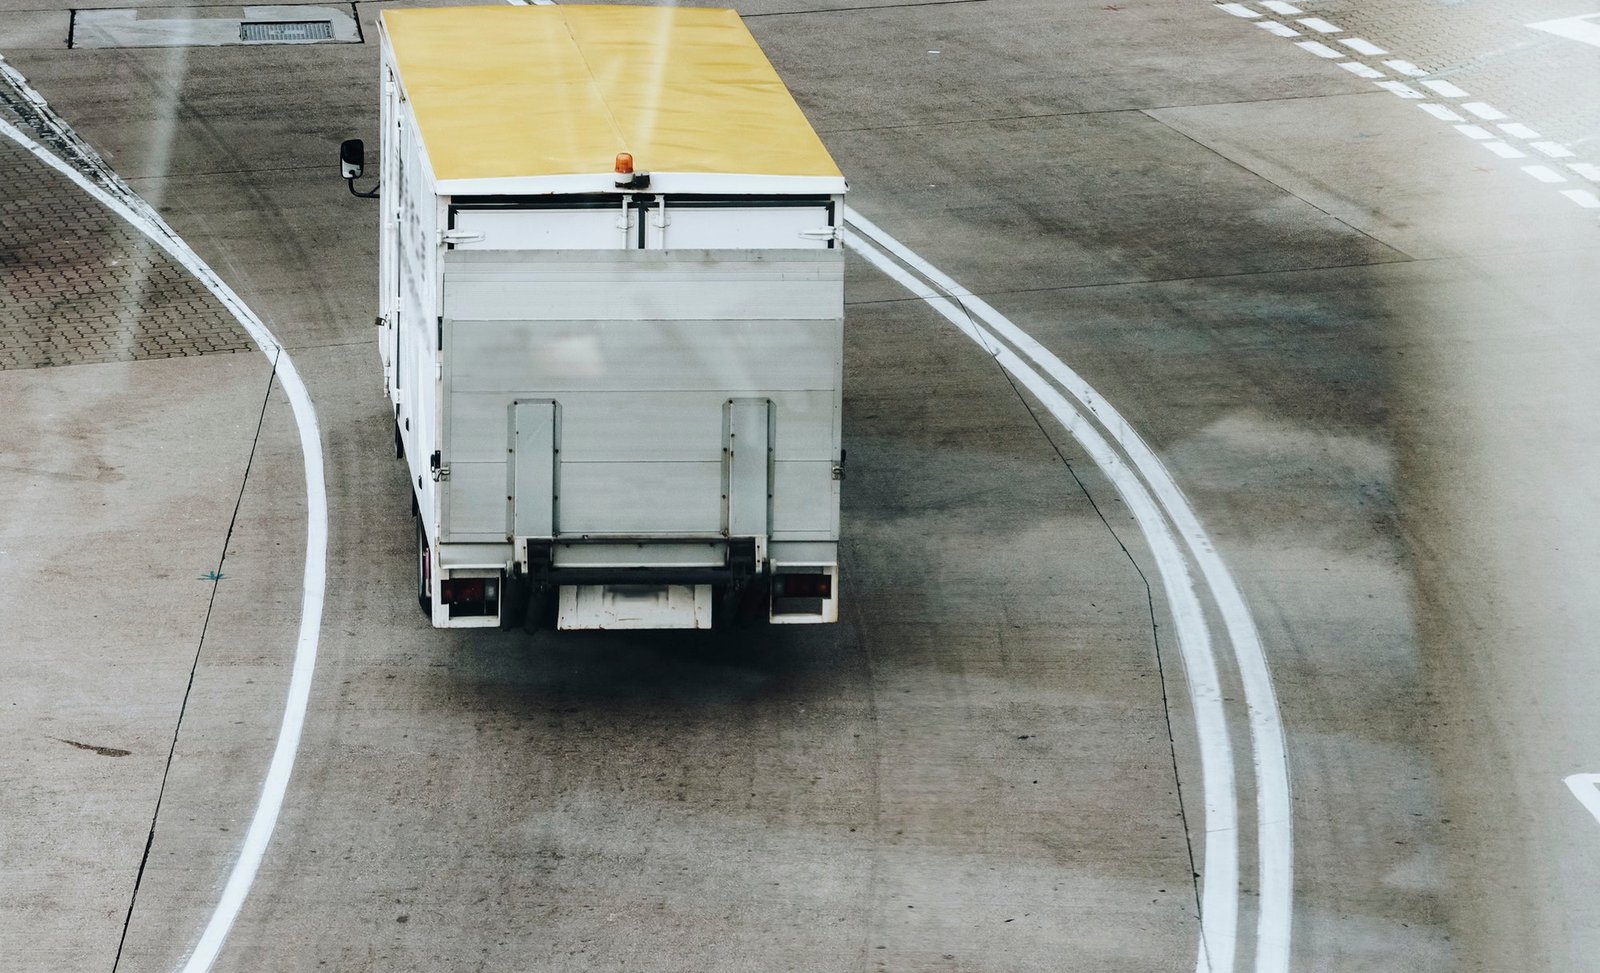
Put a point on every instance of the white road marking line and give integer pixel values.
(1274, 814)
(1362, 46)
(1279, 7)
(1475, 132)
(1504, 151)
(1586, 788)
(1517, 130)
(1318, 48)
(1400, 88)
(1554, 150)
(1544, 174)
(1360, 70)
(1321, 26)
(1444, 89)
(1582, 29)
(1582, 197)
(1587, 170)
(1485, 111)
(1280, 29)
(1239, 10)
(1440, 112)
(1406, 68)
(118, 198)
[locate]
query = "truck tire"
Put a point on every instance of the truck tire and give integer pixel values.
(424, 572)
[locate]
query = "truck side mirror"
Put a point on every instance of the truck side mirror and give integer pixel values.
(352, 158)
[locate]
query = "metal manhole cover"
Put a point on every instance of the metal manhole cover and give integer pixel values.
(285, 32)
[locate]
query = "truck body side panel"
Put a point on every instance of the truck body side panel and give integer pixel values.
(652, 358)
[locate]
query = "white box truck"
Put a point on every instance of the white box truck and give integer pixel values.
(611, 317)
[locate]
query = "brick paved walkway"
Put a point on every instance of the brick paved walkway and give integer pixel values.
(1486, 47)
(78, 285)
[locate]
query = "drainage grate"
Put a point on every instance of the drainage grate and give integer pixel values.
(286, 32)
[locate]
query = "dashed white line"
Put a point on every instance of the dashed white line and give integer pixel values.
(117, 197)
(1485, 111)
(1319, 49)
(1444, 89)
(1583, 197)
(1554, 150)
(1475, 132)
(1321, 26)
(1279, 7)
(1400, 88)
(1586, 788)
(1406, 68)
(1362, 46)
(1440, 112)
(1504, 151)
(1517, 130)
(1360, 70)
(1282, 30)
(1239, 10)
(1587, 170)
(1544, 174)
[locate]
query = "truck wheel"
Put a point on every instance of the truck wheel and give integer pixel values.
(424, 572)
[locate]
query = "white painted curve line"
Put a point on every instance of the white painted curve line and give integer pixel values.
(1583, 197)
(138, 214)
(1274, 812)
(1586, 788)
(1219, 877)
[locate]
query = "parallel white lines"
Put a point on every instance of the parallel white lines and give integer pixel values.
(113, 193)
(1586, 788)
(1274, 825)
(1479, 110)
(1362, 46)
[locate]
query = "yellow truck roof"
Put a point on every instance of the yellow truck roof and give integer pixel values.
(508, 96)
